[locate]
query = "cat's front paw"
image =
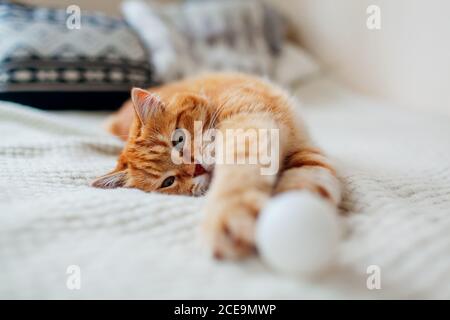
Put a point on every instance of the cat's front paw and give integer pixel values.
(229, 226)
(230, 232)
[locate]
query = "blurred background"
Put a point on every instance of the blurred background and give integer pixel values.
(406, 61)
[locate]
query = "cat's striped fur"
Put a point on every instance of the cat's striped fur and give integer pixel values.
(236, 192)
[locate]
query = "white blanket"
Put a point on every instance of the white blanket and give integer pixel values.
(395, 165)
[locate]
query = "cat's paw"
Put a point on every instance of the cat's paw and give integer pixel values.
(229, 227)
(230, 234)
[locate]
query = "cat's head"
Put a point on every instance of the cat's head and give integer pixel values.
(155, 157)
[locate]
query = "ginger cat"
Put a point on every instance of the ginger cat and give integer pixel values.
(157, 125)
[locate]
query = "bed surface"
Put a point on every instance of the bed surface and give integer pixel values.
(394, 163)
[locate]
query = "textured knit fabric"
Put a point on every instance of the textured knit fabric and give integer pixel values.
(394, 164)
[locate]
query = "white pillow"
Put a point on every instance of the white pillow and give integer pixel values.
(293, 65)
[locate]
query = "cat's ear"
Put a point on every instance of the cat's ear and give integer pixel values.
(112, 180)
(145, 104)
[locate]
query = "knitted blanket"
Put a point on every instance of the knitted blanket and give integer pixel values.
(59, 238)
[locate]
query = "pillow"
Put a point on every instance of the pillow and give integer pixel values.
(192, 37)
(196, 36)
(294, 65)
(45, 64)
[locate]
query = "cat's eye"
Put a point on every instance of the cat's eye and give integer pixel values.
(178, 138)
(168, 182)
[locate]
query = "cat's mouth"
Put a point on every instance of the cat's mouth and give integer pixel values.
(201, 179)
(199, 170)
(202, 169)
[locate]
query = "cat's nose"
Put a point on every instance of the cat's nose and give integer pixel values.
(199, 170)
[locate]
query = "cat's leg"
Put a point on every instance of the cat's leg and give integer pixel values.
(307, 168)
(239, 191)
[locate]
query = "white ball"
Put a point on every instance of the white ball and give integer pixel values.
(298, 233)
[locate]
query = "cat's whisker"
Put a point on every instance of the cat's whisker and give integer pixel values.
(121, 135)
(215, 116)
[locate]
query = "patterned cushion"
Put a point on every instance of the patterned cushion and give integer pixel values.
(191, 37)
(46, 64)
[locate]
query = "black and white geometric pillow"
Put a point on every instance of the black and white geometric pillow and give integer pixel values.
(44, 63)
